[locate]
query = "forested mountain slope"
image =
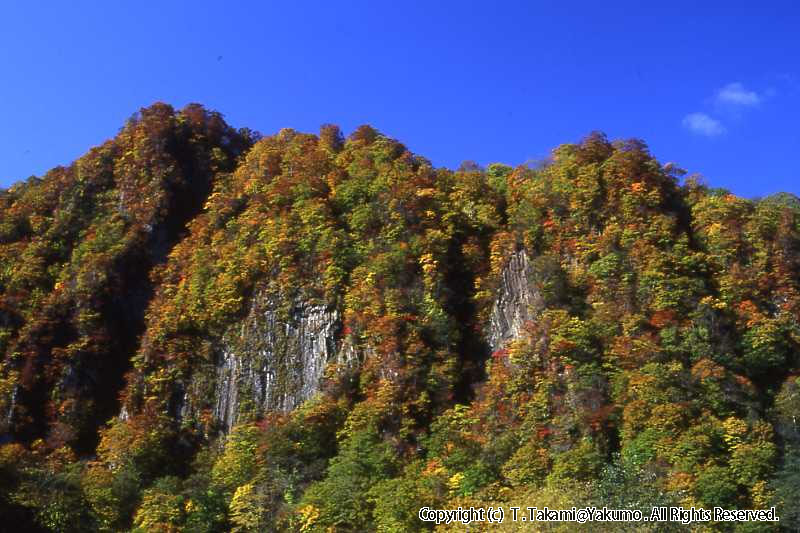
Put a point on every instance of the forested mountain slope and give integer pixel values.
(206, 330)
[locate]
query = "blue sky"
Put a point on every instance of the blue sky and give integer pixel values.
(711, 86)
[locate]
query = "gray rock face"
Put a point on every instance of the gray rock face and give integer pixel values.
(517, 301)
(8, 419)
(273, 360)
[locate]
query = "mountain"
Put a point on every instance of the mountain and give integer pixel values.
(206, 330)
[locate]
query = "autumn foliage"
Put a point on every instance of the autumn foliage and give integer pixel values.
(662, 369)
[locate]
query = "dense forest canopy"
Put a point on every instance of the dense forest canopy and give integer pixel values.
(206, 330)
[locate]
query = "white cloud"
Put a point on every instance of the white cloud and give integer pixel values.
(736, 94)
(702, 124)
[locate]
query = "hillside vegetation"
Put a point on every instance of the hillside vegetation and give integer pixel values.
(206, 330)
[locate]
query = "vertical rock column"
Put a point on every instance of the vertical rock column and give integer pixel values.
(517, 301)
(273, 361)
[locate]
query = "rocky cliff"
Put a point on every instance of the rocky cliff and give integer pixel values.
(275, 359)
(516, 302)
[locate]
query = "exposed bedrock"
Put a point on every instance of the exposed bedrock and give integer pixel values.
(275, 358)
(517, 301)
